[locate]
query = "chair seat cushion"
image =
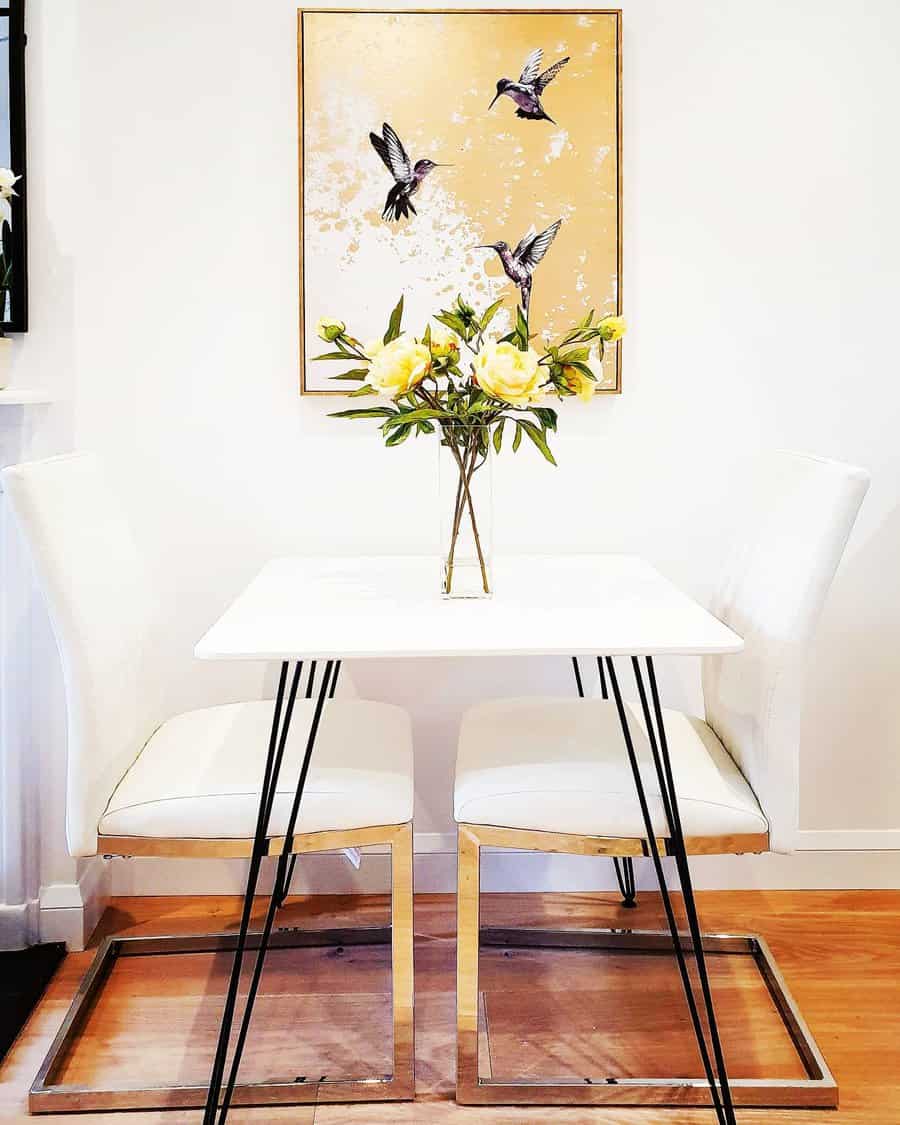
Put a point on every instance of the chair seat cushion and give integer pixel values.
(560, 765)
(200, 774)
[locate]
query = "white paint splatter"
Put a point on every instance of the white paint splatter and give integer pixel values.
(355, 264)
(558, 141)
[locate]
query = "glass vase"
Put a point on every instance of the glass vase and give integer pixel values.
(466, 510)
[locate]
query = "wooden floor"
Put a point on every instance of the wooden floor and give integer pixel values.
(548, 1012)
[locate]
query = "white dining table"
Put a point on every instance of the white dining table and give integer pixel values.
(390, 606)
(327, 609)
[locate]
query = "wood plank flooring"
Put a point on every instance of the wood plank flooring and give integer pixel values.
(559, 1012)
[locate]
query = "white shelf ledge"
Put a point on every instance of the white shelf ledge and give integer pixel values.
(23, 396)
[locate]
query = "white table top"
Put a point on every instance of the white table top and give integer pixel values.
(583, 605)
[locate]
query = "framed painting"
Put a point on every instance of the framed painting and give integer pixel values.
(13, 181)
(434, 144)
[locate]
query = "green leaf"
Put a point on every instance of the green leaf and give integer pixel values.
(575, 354)
(522, 330)
(537, 436)
(517, 440)
(546, 417)
(400, 434)
(334, 355)
(393, 330)
(357, 374)
(407, 417)
(498, 434)
(488, 315)
(464, 307)
(584, 369)
(451, 320)
(425, 427)
(366, 412)
(426, 337)
(363, 390)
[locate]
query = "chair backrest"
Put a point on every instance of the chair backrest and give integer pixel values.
(103, 610)
(772, 593)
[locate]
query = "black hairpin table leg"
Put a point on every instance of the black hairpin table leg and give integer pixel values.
(286, 888)
(277, 896)
(720, 1091)
(625, 878)
(281, 722)
(277, 741)
(624, 866)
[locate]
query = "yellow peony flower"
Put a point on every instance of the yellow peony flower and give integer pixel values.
(444, 343)
(579, 383)
(374, 347)
(399, 366)
(612, 327)
(504, 372)
(329, 330)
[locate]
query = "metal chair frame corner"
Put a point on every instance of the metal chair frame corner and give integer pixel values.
(50, 1095)
(817, 1090)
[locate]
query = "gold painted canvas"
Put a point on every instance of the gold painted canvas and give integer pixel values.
(524, 107)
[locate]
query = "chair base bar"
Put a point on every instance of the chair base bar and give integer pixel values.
(817, 1090)
(48, 1096)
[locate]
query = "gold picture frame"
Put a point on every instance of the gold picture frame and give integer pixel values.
(327, 177)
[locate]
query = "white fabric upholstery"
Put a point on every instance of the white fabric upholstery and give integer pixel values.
(560, 765)
(772, 594)
(103, 609)
(200, 774)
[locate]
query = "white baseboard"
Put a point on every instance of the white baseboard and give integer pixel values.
(435, 871)
(69, 912)
(18, 925)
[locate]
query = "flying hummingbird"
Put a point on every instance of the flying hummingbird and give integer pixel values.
(519, 264)
(407, 177)
(526, 93)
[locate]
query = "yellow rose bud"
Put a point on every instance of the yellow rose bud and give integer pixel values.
(329, 330)
(444, 343)
(578, 383)
(504, 372)
(399, 366)
(612, 327)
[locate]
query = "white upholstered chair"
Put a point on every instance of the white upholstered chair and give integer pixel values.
(552, 774)
(144, 782)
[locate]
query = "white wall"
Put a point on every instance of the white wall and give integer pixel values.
(760, 279)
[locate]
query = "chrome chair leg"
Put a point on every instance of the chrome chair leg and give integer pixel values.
(816, 1088)
(50, 1095)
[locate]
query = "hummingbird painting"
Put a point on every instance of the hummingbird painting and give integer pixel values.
(526, 93)
(519, 264)
(407, 177)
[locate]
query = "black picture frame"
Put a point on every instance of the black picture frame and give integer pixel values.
(15, 236)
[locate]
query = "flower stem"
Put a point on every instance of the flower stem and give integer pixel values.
(457, 513)
(467, 469)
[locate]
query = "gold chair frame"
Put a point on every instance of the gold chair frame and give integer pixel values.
(47, 1095)
(818, 1089)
